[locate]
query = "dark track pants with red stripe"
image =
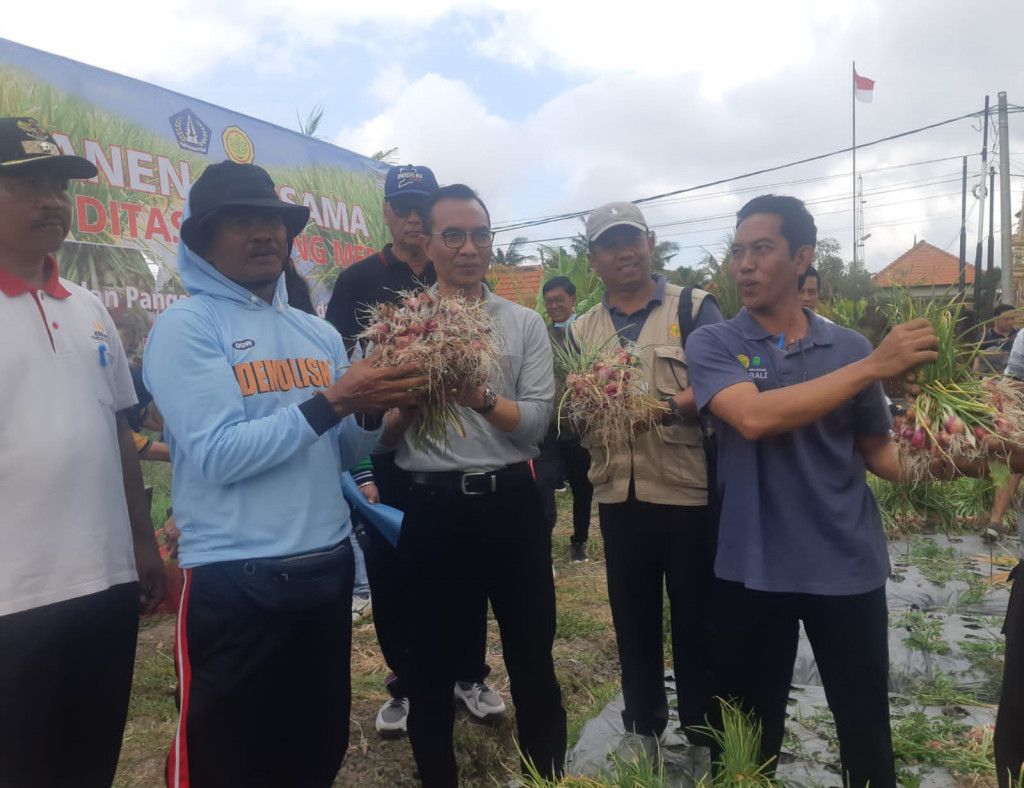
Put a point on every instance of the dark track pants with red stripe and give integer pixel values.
(65, 679)
(1009, 739)
(264, 697)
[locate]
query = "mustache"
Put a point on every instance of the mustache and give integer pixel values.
(51, 217)
(265, 249)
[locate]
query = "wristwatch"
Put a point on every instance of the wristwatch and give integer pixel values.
(674, 412)
(490, 401)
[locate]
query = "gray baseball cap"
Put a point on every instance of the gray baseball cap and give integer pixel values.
(614, 214)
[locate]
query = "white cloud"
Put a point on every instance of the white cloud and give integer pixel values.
(661, 95)
(726, 44)
(392, 81)
(176, 41)
(443, 124)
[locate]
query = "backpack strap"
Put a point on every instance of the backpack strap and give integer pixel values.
(685, 317)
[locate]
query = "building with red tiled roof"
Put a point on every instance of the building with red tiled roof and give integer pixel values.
(926, 271)
(519, 283)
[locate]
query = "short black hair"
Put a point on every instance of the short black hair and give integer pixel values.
(1002, 308)
(563, 282)
(797, 225)
(809, 273)
(454, 191)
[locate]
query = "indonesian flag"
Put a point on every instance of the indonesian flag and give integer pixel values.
(863, 88)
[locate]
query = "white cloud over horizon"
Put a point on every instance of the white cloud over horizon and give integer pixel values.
(554, 107)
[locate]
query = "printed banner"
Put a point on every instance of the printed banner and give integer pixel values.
(149, 145)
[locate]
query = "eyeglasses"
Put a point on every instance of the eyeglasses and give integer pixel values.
(403, 206)
(455, 239)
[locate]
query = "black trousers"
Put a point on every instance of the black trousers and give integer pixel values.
(1009, 739)
(756, 649)
(264, 695)
(565, 459)
(384, 574)
(65, 679)
(647, 548)
(382, 570)
(444, 535)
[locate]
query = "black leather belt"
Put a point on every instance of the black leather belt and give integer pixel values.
(475, 483)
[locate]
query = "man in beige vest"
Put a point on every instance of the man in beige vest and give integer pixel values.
(652, 498)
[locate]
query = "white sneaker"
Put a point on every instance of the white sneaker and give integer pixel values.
(392, 718)
(360, 607)
(481, 700)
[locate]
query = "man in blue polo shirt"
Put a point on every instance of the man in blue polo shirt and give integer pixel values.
(800, 414)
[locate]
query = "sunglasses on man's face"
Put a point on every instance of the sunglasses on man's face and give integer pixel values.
(403, 206)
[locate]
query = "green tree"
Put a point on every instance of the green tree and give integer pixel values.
(719, 279)
(839, 279)
(684, 276)
(386, 155)
(311, 124)
(663, 253)
(512, 254)
(556, 261)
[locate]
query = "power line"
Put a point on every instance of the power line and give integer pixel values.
(720, 181)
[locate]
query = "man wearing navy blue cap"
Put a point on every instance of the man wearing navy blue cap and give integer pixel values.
(75, 533)
(400, 265)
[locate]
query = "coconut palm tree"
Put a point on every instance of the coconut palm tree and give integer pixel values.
(310, 125)
(386, 155)
(663, 253)
(512, 254)
(719, 280)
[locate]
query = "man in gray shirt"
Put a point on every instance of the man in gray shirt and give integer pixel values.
(477, 497)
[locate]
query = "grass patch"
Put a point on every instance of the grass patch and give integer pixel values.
(984, 654)
(924, 632)
(938, 564)
(573, 624)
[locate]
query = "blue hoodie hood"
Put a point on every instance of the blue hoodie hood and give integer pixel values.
(200, 277)
(234, 378)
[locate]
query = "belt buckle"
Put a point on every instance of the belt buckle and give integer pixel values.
(466, 476)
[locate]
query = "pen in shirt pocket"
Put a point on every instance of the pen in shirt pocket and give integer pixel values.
(103, 355)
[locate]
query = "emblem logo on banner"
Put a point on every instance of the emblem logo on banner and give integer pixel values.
(238, 146)
(192, 133)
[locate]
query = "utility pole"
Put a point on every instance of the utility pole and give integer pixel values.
(862, 236)
(853, 103)
(990, 286)
(1005, 222)
(981, 211)
(963, 233)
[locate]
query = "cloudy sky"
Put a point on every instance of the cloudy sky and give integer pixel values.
(555, 106)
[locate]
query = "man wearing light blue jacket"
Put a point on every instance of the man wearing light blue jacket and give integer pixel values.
(262, 412)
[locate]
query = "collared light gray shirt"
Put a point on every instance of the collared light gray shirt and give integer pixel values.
(1015, 363)
(525, 375)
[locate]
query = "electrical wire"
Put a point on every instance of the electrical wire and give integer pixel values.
(574, 214)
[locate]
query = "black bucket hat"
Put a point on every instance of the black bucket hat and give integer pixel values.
(25, 146)
(229, 184)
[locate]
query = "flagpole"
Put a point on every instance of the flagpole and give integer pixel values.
(853, 104)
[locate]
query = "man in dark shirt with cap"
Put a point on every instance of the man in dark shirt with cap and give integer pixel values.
(400, 265)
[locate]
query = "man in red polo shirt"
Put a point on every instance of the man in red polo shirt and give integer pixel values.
(77, 551)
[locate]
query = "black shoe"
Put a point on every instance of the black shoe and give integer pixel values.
(578, 553)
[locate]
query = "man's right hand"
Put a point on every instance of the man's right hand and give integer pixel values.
(905, 347)
(365, 388)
